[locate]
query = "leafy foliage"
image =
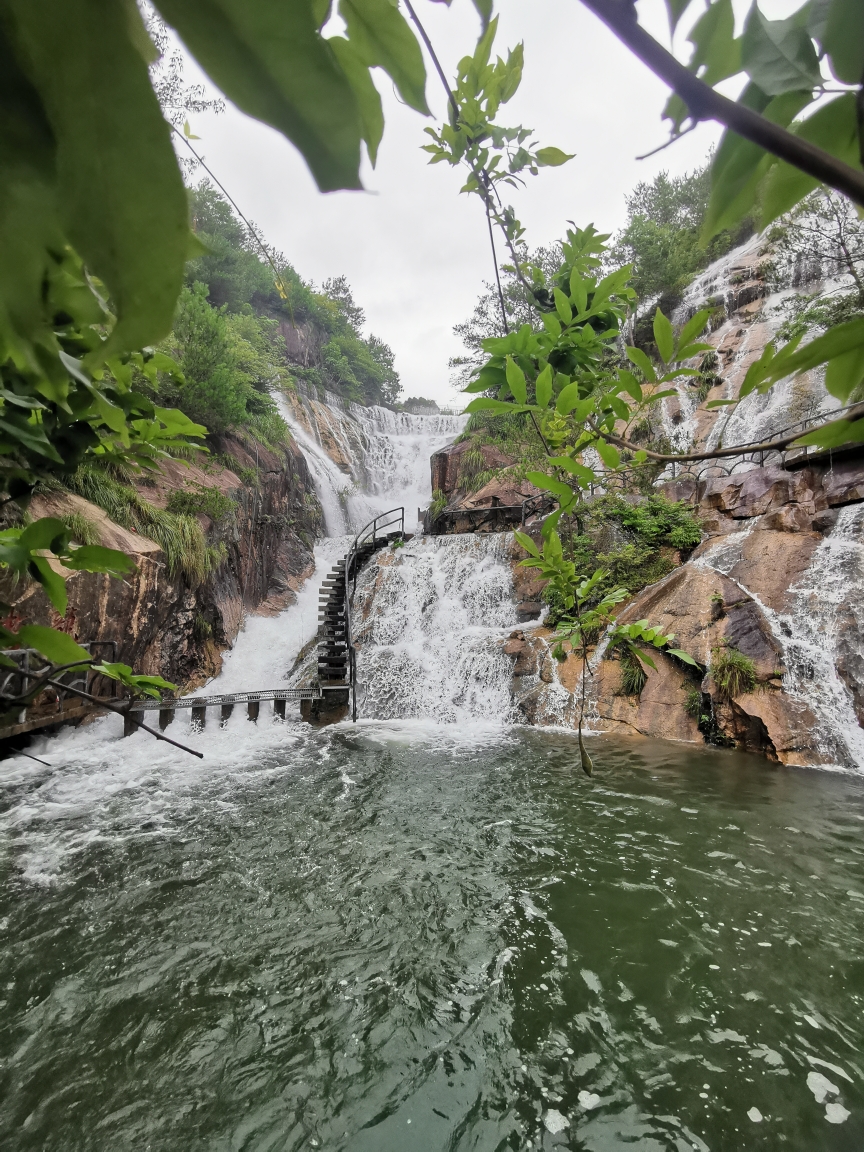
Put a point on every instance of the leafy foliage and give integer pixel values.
(662, 236)
(733, 673)
(240, 286)
(203, 500)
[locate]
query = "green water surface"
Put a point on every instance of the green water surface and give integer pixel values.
(391, 939)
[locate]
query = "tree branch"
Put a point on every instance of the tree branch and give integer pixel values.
(706, 104)
(854, 413)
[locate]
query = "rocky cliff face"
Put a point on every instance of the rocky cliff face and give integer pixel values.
(157, 621)
(777, 578)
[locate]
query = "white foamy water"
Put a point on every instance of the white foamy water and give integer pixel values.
(821, 631)
(384, 458)
(431, 617)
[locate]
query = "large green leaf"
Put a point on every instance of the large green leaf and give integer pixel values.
(29, 223)
(382, 38)
(58, 647)
(834, 128)
(778, 55)
(368, 97)
(715, 47)
(740, 166)
(123, 205)
(843, 40)
(270, 60)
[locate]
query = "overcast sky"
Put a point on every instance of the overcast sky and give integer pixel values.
(414, 250)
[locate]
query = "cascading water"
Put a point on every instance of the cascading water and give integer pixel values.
(430, 618)
(820, 632)
(383, 457)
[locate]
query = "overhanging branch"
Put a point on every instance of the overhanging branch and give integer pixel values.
(706, 104)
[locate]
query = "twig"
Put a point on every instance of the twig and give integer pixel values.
(104, 704)
(704, 103)
(736, 449)
(122, 712)
(18, 752)
(497, 274)
(669, 142)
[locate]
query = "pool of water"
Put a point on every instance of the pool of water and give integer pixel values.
(408, 938)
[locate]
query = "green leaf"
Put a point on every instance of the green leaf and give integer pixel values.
(141, 685)
(779, 55)
(833, 128)
(58, 647)
(578, 291)
(833, 435)
(643, 656)
(527, 543)
(367, 95)
(562, 305)
(381, 35)
(693, 327)
(676, 9)
(94, 558)
(552, 157)
(568, 398)
(53, 584)
(630, 384)
(123, 204)
(551, 323)
(586, 476)
(682, 656)
(486, 404)
(543, 387)
(271, 62)
(740, 166)
(844, 373)
(837, 341)
(843, 40)
(608, 453)
(565, 496)
(48, 533)
(664, 337)
(638, 357)
(716, 54)
(516, 380)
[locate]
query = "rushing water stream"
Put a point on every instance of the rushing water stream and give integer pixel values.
(406, 937)
(414, 935)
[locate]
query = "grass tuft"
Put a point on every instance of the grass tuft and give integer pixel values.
(732, 672)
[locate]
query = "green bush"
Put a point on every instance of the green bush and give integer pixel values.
(83, 530)
(201, 499)
(646, 529)
(693, 703)
(733, 673)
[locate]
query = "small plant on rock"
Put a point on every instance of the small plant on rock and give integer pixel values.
(693, 703)
(732, 671)
(633, 675)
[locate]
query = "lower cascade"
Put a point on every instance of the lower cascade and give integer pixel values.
(430, 618)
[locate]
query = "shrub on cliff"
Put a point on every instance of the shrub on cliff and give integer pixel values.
(632, 542)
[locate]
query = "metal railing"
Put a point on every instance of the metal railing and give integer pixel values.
(14, 682)
(366, 538)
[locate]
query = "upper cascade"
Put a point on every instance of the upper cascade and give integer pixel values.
(366, 460)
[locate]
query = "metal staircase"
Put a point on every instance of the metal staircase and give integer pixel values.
(337, 657)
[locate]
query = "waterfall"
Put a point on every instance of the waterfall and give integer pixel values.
(431, 617)
(819, 633)
(365, 461)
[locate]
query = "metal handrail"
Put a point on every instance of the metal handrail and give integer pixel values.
(372, 530)
(14, 681)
